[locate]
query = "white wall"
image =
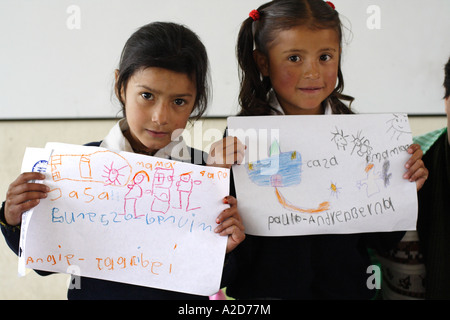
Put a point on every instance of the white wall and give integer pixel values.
(391, 62)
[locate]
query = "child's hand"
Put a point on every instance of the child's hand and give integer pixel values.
(23, 195)
(226, 152)
(416, 168)
(230, 223)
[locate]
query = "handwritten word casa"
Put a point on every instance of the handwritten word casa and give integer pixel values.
(324, 163)
(86, 195)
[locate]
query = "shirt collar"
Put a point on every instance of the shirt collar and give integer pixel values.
(116, 141)
(274, 103)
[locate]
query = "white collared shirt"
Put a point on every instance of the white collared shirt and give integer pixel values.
(116, 141)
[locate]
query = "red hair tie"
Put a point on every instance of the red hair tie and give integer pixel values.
(331, 4)
(254, 14)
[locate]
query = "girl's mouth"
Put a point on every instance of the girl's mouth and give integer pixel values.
(157, 134)
(311, 89)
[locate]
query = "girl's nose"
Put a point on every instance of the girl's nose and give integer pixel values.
(160, 113)
(312, 71)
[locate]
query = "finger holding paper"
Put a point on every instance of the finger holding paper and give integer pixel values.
(23, 195)
(226, 152)
(230, 224)
(416, 168)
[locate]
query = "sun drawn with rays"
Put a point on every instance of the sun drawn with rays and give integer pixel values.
(113, 175)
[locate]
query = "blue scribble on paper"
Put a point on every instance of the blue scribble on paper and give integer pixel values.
(40, 166)
(281, 169)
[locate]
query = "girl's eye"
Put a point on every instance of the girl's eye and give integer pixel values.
(325, 57)
(294, 58)
(179, 102)
(147, 96)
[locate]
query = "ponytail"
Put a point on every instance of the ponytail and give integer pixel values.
(254, 89)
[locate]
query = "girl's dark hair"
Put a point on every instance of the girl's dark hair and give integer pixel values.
(276, 16)
(170, 46)
(447, 80)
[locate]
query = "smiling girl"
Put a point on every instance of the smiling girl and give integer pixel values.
(289, 53)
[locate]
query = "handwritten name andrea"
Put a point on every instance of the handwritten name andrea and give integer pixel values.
(330, 217)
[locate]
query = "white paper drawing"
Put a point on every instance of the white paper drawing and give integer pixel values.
(329, 174)
(127, 217)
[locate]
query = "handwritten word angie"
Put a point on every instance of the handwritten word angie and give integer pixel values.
(333, 217)
(52, 259)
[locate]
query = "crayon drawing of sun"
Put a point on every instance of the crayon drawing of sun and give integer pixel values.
(112, 175)
(335, 190)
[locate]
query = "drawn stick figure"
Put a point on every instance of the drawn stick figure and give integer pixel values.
(184, 188)
(162, 181)
(134, 193)
(340, 139)
(371, 181)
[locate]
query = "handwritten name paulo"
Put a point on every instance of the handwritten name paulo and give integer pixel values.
(330, 217)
